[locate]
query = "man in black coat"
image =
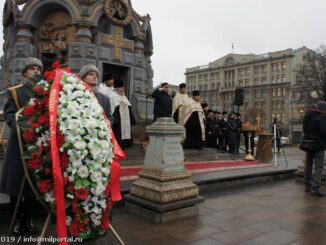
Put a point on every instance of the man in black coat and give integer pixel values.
(232, 132)
(239, 132)
(211, 137)
(314, 129)
(224, 131)
(90, 75)
(163, 102)
(13, 171)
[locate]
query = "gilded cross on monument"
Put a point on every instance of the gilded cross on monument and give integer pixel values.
(118, 42)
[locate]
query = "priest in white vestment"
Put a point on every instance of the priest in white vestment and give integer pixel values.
(106, 87)
(180, 100)
(194, 122)
(122, 114)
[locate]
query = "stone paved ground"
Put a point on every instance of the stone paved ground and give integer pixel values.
(275, 213)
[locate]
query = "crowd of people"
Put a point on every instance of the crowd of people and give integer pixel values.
(203, 127)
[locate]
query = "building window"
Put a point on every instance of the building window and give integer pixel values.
(246, 105)
(205, 87)
(283, 66)
(279, 65)
(256, 69)
(247, 82)
(263, 80)
(283, 118)
(256, 81)
(212, 76)
(241, 70)
(206, 77)
(284, 92)
(240, 82)
(273, 79)
(279, 92)
(278, 77)
(213, 86)
(257, 94)
(247, 71)
(263, 105)
(200, 78)
(200, 87)
(279, 105)
(283, 79)
(273, 67)
(264, 68)
(256, 105)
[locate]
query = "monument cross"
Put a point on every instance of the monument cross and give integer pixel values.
(118, 42)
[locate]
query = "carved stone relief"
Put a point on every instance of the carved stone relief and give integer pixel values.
(118, 12)
(55, 33)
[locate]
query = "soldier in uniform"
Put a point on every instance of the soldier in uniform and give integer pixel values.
(90, 74)
(13, 171)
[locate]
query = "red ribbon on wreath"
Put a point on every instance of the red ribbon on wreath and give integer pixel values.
(56, 168)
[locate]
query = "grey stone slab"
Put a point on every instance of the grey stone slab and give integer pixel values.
(158, 207)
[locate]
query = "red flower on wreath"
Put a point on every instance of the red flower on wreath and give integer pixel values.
(82, 194)
(64, 161)
(30, 110)
(56, 65)
(29, 135)
(74, 206)
(40, 91)
(60, 139)
(35, 163)
(70, 188)
(105, 221)
(45, 186)
(43, 119)
(49, 76)
(74, 229)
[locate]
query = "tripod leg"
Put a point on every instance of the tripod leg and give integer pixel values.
(20, 195)
(283, 152)
(116, 235)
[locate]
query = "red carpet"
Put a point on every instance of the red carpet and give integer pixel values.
(130, 173)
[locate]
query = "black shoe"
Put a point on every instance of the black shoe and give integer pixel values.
(19, 229)
(307, 188)
(316, 193)
(30, 226)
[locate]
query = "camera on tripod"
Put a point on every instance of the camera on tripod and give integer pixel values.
(277, 144)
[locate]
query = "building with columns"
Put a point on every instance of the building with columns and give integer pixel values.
(270, 83)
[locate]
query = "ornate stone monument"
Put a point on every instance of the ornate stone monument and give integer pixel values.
(107, 33)
(164, 190)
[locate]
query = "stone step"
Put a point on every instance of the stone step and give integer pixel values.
(135, 156)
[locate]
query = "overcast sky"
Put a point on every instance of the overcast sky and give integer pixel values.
(189, 33)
